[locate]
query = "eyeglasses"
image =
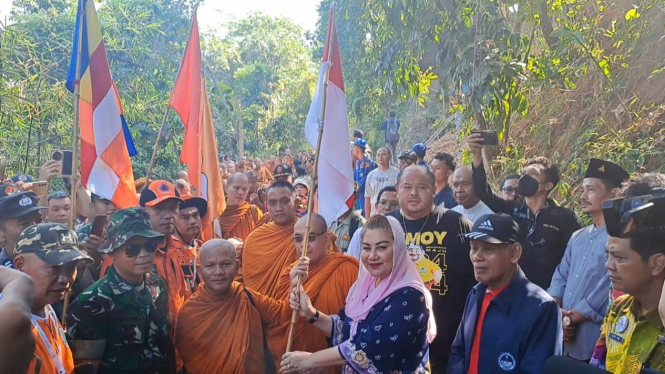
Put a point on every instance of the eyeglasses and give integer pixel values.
(312, 237)
(509, 190)
(133, 250)
(390, 204)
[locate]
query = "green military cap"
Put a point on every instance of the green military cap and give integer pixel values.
(126, 224)
(54, 243)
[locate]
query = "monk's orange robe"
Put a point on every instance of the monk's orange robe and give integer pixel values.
(327, 285)
(268, 250)
(224, 335)
(288, 160)
(264, 220)
(264, 176)
(238, 221)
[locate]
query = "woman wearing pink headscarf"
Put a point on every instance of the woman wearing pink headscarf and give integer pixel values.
(387, 322)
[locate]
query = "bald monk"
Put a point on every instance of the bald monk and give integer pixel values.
(239, 218)
(269, 249)
(220, 328)
(331, 275)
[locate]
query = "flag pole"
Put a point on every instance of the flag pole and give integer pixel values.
(75, 142)
(159, 139)
(166, 115)
(315, 184)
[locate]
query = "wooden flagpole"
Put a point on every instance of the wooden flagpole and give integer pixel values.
(312, 192)
(159, 139)
(166, 115)
(75, 142)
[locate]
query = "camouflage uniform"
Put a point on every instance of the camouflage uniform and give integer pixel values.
(54, 243)
(126, 326)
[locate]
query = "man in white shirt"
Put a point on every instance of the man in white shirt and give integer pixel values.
(469, 205)
(377, 179)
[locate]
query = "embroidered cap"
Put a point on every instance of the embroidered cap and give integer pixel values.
(157, 192)
(15, 203)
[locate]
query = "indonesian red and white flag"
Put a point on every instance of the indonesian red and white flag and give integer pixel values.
(335, 174)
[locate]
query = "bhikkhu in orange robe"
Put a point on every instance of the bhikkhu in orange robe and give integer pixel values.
(238, 221)
(224, 335)
(264, 175)
(327, 285)
(268, 250)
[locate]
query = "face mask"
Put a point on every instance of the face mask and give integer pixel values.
(528, 186)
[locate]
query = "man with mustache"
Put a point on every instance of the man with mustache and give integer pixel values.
(509, 324)
(48, 253)
(121, 324)
(545, 227)
(580, 284)
(439, 232)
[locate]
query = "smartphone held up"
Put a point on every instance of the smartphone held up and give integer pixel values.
(65, 158)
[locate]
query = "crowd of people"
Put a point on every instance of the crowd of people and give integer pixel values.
(430, 271)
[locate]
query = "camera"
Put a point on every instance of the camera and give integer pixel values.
(625, 215)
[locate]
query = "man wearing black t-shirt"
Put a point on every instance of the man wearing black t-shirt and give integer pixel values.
(545, 227)
(438, 232)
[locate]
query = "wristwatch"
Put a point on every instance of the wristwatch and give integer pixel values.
(315, 318)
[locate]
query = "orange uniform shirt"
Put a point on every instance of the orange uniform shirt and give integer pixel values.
(50, 338)
(475, 346)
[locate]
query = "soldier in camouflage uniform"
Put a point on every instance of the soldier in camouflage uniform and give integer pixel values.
(121, 324)
(48, 253)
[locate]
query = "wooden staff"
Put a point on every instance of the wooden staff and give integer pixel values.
(75, 145)
(159, 139)
(312, 192)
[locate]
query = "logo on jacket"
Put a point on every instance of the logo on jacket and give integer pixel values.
(622, 324)
(507, 361)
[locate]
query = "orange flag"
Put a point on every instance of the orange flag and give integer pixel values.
(199, 149)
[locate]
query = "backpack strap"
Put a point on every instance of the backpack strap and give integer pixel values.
(267, 357)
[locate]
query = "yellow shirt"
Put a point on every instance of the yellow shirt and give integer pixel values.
(426, 269)
(628, 340)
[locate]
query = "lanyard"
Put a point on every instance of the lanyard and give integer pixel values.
(50, 314)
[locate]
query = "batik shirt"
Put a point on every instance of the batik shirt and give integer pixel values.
(628, 341)
(132, 321)
(391, 339)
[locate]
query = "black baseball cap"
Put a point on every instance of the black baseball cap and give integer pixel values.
(14, 203)
(495, 229)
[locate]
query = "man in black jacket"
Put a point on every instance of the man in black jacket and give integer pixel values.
(545, 227)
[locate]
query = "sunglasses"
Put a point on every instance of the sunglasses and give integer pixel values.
(133, 250)
(509, 190)
(312, 237)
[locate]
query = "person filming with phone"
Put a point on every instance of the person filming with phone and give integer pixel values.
(545, 227)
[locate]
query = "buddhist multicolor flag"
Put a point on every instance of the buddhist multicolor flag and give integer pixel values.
(106, 143)
(335, 173)
(199, 149)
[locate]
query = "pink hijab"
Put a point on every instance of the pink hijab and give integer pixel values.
(403, 274)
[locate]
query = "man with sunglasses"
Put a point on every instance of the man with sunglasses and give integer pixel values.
(49, 254)
(545, 227)
(121, 324)
(331, 275)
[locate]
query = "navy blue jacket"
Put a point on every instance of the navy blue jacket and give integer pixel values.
(521, 330)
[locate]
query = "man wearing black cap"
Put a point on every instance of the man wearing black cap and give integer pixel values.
(406, 159)
(282, 173)
(581, 284)
(188, 221)
(18, 211)
(509, 323)
(545, 227)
